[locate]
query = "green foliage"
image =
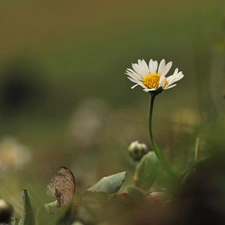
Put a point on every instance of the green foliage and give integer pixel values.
(146, 171)
(135, 195)
(15, 221)
(110, 184)
(52, 206)
(76, 66)
(28, 213)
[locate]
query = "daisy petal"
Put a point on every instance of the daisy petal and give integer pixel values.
(147, 89)
(161, 81)
(153, 65)
(171, 78)
(174, 78)
(134, 86)
(178, 77)
(130, 71)
(168, 87)
(144, 66)
(161, 66)
(176, 71)
(141, 84)
(133, 75)
(132, 79)
(167, 68)
(137, 82)
(139, 69)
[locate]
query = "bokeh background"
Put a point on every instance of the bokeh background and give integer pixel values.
(64, 97)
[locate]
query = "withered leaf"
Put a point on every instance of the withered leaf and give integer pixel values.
(62, 186)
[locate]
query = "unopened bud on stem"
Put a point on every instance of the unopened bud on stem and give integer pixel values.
(137, 150)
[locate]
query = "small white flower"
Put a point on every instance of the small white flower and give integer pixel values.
(153, 77)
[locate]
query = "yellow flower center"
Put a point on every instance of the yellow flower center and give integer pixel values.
(152, 81)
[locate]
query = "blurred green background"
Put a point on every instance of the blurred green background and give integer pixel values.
(64, 94)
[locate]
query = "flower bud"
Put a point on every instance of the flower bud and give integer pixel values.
(6, 211)
(137, 150)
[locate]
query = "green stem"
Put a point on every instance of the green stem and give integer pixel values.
(155, 146)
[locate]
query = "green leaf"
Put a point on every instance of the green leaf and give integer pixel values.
(28, 214)
(52, 207)
(135, 195)
(14, 221)
(53, 214)
(110, 184)
(146, 171)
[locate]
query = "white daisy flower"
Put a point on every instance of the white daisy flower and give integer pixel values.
(153, 77)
